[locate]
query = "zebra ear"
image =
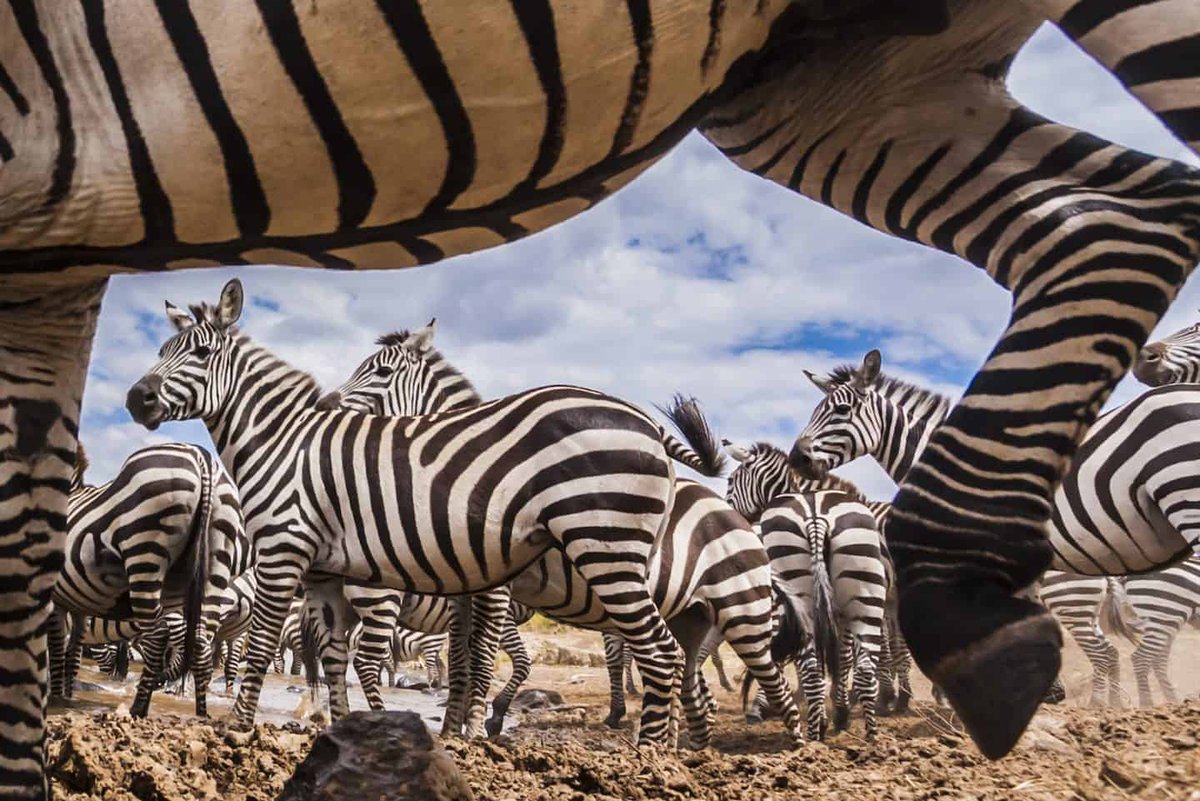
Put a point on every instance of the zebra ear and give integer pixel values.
(868, 374)
(178, 317)
(229, 308)
(820, 383)
(735, 452)
(421, 340)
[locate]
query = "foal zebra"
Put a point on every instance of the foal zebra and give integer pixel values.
(706, 568)
(449, 503)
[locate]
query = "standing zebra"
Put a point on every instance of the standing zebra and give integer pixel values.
(409, 646)
(165, 533)
(1164, 602)
(342, 493)
(97, 178)
(707, 569)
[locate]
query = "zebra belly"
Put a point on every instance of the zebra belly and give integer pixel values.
(554, 588)
(1137, 539)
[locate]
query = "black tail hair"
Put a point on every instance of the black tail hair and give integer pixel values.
(121, 663)
(824, 624)
(707, 458)
(308, 649)
(193, 602)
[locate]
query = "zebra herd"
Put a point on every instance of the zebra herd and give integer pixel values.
(564, 501)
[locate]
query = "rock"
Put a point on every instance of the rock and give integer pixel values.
(376, 756)
(532, 698)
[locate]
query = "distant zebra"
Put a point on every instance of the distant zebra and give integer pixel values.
(1164, 602)
(409, 646)
(165, 533)
(763, 475)
(707, 569)
(445, 504)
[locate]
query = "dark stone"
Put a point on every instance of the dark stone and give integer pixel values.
(377, 756)
(536, 699)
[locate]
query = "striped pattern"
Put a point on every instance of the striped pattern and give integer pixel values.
(708, 567)
(1164, 602)
(214, 182)
(1173, 360)
(558, 466)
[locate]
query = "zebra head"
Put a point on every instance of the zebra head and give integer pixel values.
(762, 475)
(1173, 360)
(405, 377)
(844, 425)
(185, 383)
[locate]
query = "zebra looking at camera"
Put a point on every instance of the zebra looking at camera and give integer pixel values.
(1175, 359)
(707, 569)
(384, 500)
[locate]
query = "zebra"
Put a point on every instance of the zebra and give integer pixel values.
(407, 374)
(563, 455)
(767, 81)
(164, 533)
(1173, 360)
(409, 646)
(233, 625)
(1163, 602)
(762, 475)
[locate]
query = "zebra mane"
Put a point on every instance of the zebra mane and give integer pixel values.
(444, 369)
(831, 481)
(920, 401)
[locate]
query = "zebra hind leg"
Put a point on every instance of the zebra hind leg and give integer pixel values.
(373, 648)
(202, 671)
(514, 646)
(153, 645)
(867, 686)
(461, 624)
(843, 687)
(489, 612)
(614, 661)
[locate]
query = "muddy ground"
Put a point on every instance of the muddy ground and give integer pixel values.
(1070, 752)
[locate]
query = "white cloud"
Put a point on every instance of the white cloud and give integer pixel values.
(625, 299)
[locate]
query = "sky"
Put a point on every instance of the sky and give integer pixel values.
(697, 278)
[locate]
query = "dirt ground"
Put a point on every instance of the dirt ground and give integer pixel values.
(1069, 753)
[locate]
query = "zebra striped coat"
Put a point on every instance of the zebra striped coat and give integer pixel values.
(381, 499)
(259, 87)
(706, 566)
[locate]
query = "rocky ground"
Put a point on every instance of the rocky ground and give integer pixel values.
(1070, 753)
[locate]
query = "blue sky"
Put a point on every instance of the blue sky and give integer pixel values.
(697, 277)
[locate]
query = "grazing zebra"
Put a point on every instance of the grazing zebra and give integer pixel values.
(706, 570)
(165, 533)
(762, 475)
(550, 468)
(1173, 360)
(1164, 602)
(412, 158)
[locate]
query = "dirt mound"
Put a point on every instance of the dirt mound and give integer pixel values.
(1069, 753)
(169, 758)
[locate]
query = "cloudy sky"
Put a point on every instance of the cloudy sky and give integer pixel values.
(698, 278)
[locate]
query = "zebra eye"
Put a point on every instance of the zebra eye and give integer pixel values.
(383, 371)
(203, 351)
(842, 408)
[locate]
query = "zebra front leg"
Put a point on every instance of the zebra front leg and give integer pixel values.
(901, 667)
(278, 572)
(56, 639)
(1162, 664)
(695, 705)
(326, 625)
(460, 666)
(375, 645)
(614, 661)
(74, 651)
(885, 672)
(489, 610)
(514, 646)
(631, 688)
(45, 343)
(153, 645)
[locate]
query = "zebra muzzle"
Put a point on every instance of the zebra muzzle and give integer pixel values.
(143, 404)
(804, 462)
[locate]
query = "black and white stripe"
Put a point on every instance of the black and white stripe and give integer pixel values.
(1034, 203)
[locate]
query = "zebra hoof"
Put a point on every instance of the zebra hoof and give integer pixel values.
(754, 718)
(1009, 655)
(841, 718)
(613, 721)
(493, 726)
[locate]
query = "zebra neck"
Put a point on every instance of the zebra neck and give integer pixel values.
(267, 399)
(906, 431)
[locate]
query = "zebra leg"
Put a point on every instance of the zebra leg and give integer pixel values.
(614, 660)
(709, 651)
(202, 671)
(1142, 660)
(73, 653)
(1161, 662)
(327, 623)
(489, 610)
(233, 657)
(45, 344)
(378, 625)
(631, 687)
(460, 666)
(153, 645)
(867, 685)
(841, 687)
(901, 667)
(56, 646)
(1093, 240)
(719, 665)
(694, 705)
(812, 684)
(885, 672)
(431, 651)
(514, 646)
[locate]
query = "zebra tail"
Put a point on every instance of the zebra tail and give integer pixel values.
(308, 650)
(197, 591)
(795, 627)
(825, 627)
(1119, 614)
(702, 452)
